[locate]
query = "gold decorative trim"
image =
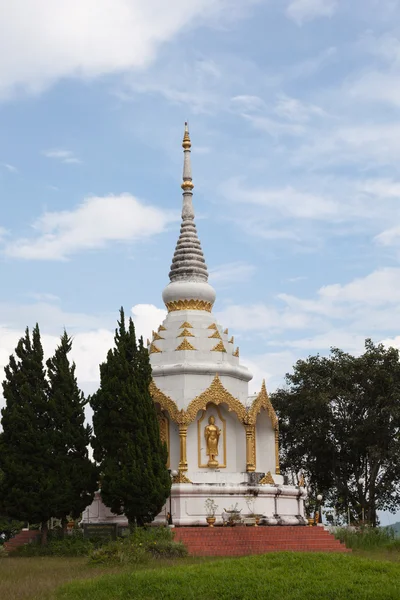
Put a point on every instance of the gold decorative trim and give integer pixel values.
(216, 394)
(250, 448)
(181, 478)
(166, 403)
(186, 325)
(226, 331)
(277, 466)
(156, 336)
(232, 340)
(236, 353)
(200, 437)
(154, 349)
(185, 345)
(162, 328)
(212, 326)
(182, 447)
(262, 401)
(189, 305)
(267, 479)
(216, 335)
(163, 423)
(219, 347)
(185, 333)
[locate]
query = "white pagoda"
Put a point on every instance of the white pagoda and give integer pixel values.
(222, 443)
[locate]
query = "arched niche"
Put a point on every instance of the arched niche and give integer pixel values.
(265, 443)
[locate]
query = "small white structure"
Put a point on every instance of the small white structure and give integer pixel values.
(222, 443)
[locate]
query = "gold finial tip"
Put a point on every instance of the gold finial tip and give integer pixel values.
(186, 138)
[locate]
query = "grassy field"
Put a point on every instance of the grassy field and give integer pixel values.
(38, 578)
(285, 576)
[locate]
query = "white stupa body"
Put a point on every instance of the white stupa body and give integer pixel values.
(198, 381)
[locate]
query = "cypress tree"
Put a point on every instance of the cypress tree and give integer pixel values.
(127, 445)
(77, 473)
(30, 473)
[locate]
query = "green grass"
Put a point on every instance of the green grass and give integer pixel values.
(369, 538)
(283, 576)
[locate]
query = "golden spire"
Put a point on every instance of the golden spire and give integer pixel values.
(186, 144)
(187, 184)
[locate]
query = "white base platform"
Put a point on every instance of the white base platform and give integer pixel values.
(279, 504)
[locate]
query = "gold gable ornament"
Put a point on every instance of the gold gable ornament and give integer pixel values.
(226, 331)
(185, 345)
(162, 328)
(232, 340)
(216, 335)
(154, 349)
(156, 336)
(180, 478)
(186, 325)
(212, 326)
(185, 333)
(219, 347)
(236, 353)
(267, 479)
(216, 394)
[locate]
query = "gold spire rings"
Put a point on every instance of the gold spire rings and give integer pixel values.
(187, 185)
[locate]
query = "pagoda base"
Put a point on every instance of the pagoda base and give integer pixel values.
(275, 504)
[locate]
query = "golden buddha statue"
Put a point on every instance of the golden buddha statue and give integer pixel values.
(212, 433)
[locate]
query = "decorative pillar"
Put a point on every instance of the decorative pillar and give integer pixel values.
(182, 438)
(181, 477)
(250, 448)
(277, 467)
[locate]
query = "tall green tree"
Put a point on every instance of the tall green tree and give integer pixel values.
(126, 443)
(77, 473)
(30, 480)
(340, 425)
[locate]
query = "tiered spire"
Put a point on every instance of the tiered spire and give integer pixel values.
(188, 263)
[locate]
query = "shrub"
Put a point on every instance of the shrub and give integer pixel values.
(367, 538)
(69, 546)
(166, 549)
(3, 552)
(142, 545)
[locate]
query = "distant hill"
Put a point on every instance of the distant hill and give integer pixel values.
(395, 527)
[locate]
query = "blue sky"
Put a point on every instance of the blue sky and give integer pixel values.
(294, 110)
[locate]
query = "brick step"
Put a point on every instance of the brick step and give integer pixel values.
(22, 538)
(240, 541)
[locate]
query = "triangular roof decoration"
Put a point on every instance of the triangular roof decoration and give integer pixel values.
(185, 345)
(219, 347)
(185, 333)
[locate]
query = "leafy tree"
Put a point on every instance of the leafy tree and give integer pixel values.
(340, 423)
(77, 473)
(127, 444)
(30, 472)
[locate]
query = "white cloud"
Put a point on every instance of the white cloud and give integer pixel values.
(389, 237)
(147, 318)
(287, 201)
(93, 224)
(294, 110)
(54, 39)
(9, 168)
(232, 273)
(64, 156)
(307, 10)
(270, 366)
